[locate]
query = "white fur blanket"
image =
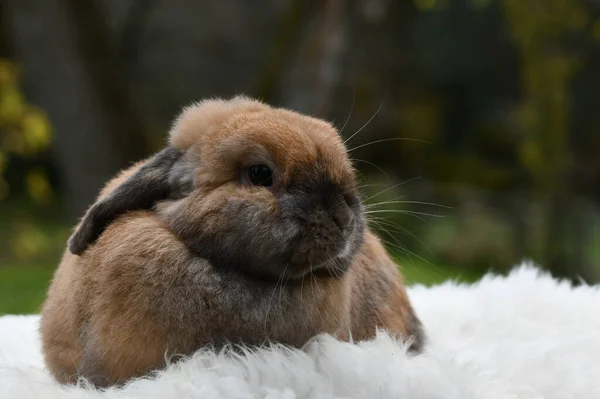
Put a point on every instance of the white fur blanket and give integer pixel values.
(524, 336)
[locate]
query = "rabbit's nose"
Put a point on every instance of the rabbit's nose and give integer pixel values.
(342, 215)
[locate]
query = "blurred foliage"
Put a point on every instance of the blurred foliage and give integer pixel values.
(548, 65)
(25, 132)
(30, 234)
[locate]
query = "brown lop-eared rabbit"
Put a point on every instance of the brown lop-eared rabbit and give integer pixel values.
(247, 229)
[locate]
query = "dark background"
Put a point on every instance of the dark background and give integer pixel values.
(479, 136)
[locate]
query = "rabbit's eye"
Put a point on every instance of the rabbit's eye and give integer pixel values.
(260, 175)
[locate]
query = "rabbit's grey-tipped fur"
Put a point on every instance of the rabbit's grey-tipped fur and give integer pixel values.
(179, 252)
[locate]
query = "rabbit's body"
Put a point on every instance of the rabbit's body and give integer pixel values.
(202, 266)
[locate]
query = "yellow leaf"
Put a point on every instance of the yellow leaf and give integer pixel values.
(8, 73)
(38, 186)
(13, 142)
(12, 106)
(36, 130)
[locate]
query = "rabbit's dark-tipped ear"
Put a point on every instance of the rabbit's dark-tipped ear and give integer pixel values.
(151, 183)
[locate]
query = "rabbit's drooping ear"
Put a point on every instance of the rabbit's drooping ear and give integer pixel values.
(153, 182)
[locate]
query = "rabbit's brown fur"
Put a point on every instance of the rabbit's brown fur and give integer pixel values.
(210, 261)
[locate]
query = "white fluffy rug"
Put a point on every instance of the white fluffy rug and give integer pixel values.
(523, 336)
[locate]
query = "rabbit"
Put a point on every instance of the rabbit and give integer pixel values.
(247, 228)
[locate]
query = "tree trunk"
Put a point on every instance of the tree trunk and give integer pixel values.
(286, 39)
(69, 70)
(316, 68)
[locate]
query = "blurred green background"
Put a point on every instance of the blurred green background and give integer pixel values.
(478, 120)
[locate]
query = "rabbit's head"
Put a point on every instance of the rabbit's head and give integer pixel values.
(252, 188)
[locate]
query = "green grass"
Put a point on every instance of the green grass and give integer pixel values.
(32, 239)
(429, 274)
(23, 288)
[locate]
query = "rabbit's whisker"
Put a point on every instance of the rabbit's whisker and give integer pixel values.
(401, 247)
(391, 188)
(407, 202)
(284, 282)
(403, 211)
(370, 185)
(351, 110)
(372, 164)
(388, 139)
(280, 278)
(369, 121)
